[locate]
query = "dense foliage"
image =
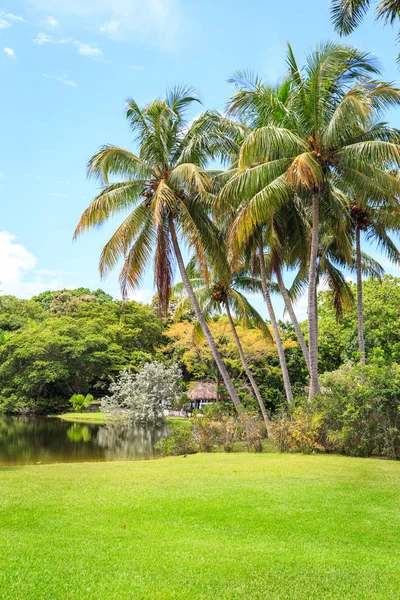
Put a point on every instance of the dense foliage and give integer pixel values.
(338, 339)
(361, 409)
(46, 357)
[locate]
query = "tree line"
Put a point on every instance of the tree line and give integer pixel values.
(52, 347)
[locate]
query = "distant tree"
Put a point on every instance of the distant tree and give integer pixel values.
(339, 339)
(16, 314)
(45, 299)
(63, 304)
(41, 367)
(260, 355)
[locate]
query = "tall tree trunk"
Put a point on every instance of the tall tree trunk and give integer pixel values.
(199, 315)
(312, 300)
(247, 369)
(274, 323)
(360, 309)
(293, 318)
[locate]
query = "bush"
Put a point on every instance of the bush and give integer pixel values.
(361, 407)
(209, 431)
(251, 430)
(281, 430)
(143, 396)
(204, 432)
(299, 430)
(226, 432)
(180, 442)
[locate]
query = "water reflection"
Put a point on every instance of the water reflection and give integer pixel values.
(79, 433)
(31, 440)
(127, 442)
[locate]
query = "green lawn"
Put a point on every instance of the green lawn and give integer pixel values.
(83, 417)
(215, 526)
(101, 417)
(76, 417)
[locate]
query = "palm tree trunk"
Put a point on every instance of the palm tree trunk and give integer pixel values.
(247, 369)
(293, 318)
(312, 301)
(199, 315)
(274, 323)
(360, 309)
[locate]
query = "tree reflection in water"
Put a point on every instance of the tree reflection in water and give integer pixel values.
(31, 440)
(125, 442)
(78, 433)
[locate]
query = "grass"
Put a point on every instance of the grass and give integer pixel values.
(212, 526)
(101, 417)
(75, 417)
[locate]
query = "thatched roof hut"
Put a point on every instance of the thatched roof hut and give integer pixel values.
(203, 390)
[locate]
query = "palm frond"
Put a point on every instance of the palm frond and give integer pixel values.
(112, 199)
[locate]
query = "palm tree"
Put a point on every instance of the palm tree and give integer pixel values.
(272, 317)
(374, 221)
(286, 236)
(214, 295)
(332, 260)
(164, 187)
(348, 14)
(327, 142)
(256, 105)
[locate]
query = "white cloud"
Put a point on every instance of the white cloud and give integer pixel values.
(15, 260)
(18, 275)
(88, 50)
(50, 22)
(63, 79)
(43, 38)
(10, 52)
(110, 28)
(155, 22)
(54, 273)
(145, 296)
(4, 24)
(11, 17)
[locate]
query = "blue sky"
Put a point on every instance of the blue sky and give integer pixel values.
(67, 67)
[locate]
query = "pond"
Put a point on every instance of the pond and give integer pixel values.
(40, 440)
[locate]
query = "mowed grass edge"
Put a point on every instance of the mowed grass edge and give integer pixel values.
(237, 526)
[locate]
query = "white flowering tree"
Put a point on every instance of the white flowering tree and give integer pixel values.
(144, 395)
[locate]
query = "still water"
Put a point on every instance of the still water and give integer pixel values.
(35, 440)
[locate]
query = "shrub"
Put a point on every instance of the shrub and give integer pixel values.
(226, 432)
(299, 430)
(143, 396)
(180, 442)
(281, 430)
(208, 431)
(251, 430)
(204, 432)
(361, 407)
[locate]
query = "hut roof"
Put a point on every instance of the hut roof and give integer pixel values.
(203, 391)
